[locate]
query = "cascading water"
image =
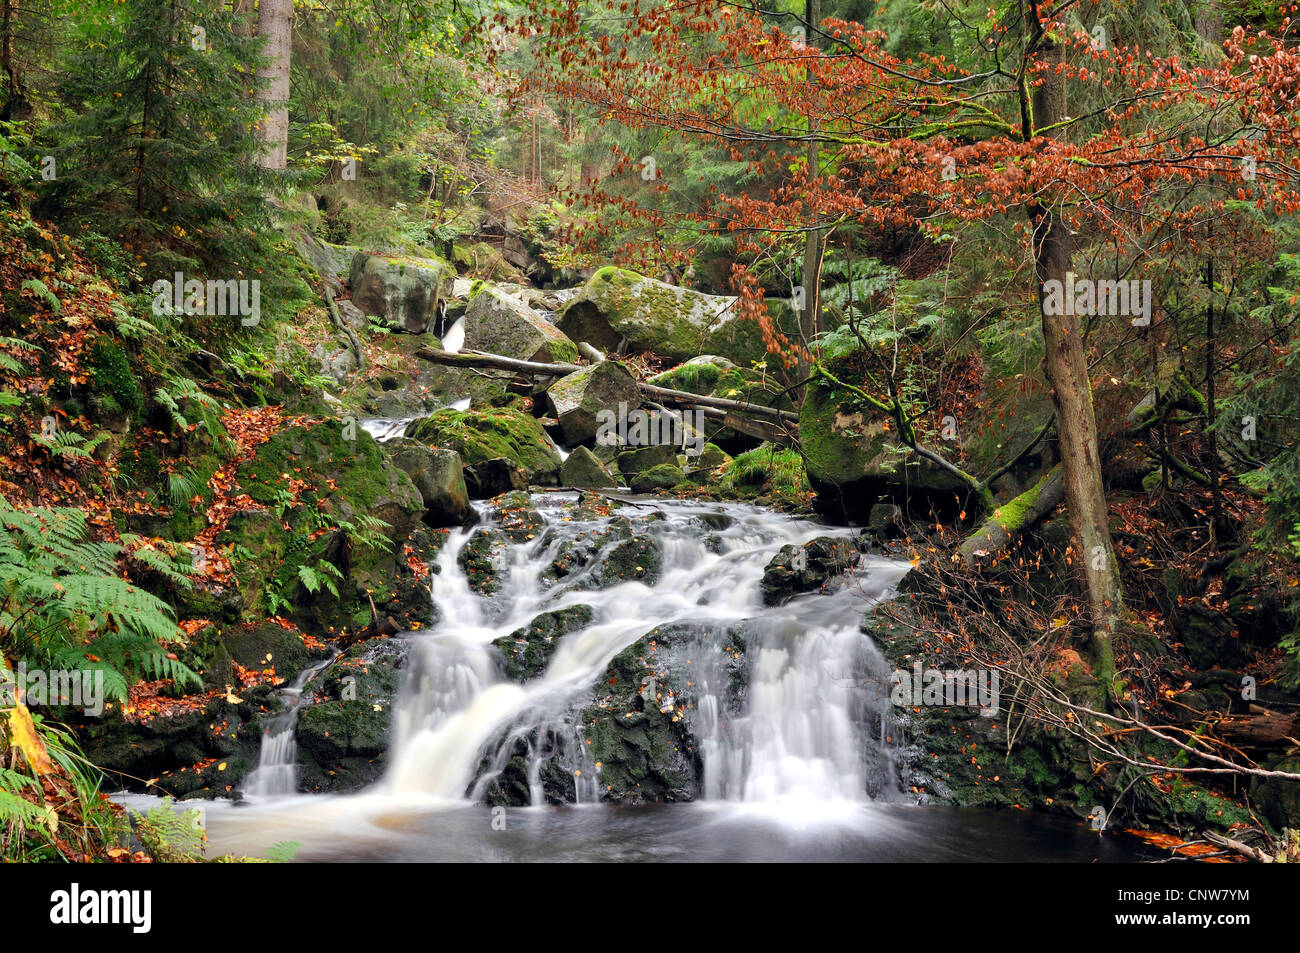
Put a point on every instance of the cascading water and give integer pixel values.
(784, 707)
(276, 773)
(799, 735)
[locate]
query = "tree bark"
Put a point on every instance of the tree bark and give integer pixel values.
(1013, 518)
(275, 24)
(815, 240)
(1066, 366)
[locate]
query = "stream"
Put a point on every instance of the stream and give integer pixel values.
(792, 759)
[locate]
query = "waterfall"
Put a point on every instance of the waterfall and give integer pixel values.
(276, 774)
(798, 735)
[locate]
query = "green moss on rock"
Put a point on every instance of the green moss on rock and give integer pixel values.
(490, 434)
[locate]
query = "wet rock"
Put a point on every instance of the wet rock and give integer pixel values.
(480, 560)
(516, 517)
(582, 469)
(580, 400)
(638, 736)
(438, 476)
(575, 555)
(511, 788)
(526, 651)
(806, 568)
(639, 558)
(343, 737)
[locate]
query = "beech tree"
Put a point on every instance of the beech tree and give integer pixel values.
(1056, 130)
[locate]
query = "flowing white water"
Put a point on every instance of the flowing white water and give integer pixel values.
(276, 774)
(798, 735)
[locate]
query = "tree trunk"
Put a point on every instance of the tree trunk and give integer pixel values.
(815, 241)
(1066, 366)
(1212, 413)
(275, 25)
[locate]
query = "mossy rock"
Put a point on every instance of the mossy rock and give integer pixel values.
(576, 555)
(480, 560)
(501, 324)
(632, 462)
(343, 738)
(616, 305)
(490, 434)
(404, 290)
(640, 740)
(350, 479)
(639, 558)
(662, 477)
(114, 387)
(526, 651)
(708, 466)
(853, 460)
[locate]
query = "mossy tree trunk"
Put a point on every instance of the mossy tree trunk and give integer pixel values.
(1066, 366)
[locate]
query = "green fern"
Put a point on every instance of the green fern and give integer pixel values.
(61, 601)
(182, 396)
(69, 443)
(322, 575)
(40, 290)
(283, 852)
(171, 836)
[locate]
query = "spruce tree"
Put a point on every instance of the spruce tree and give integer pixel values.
(163, 145)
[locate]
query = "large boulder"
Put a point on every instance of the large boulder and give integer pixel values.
(438, 477)
(583, 470)
(501, 324)
(406, 291)
(854, 461)
(617, 305)
(492, 434)
(577, 400)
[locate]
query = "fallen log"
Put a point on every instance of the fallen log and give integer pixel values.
(1261, 727)
(721, 403)
(537, 369)
(1228, 843)
(1014, 517)
(481, 359)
